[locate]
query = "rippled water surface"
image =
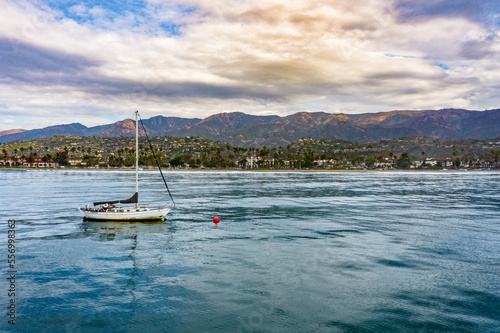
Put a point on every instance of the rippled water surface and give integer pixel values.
(294, 252)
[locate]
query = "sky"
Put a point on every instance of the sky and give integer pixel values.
(96, 62)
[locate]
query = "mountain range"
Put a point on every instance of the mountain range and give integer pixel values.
(243, 129)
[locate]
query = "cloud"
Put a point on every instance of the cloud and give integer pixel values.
(23, 63)
(484, 11)
(195, 58)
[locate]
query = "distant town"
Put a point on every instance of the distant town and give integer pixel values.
(197, 153)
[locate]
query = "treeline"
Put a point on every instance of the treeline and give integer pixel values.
(302, 154)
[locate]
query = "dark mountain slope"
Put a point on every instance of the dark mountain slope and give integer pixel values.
(69, 129)
(162, 125)
(212, 127)
(248, 130)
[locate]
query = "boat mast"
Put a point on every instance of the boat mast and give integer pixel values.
(136, 156)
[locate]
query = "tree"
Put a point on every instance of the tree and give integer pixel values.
(404, 161)
(308, 159)
(90, 159)
(115, 161)
(370, 161)
(355, 160)
(264, 152)
(61, 158)
(290, 157)
(495, 154)
(4, 151)
(242, 163)
(177, 161)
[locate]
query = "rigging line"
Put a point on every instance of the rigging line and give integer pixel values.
(154, 155)
(95, 177)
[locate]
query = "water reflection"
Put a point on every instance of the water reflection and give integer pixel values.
(108, 231)
(144, 244)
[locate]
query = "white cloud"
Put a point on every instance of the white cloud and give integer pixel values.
(257, 57)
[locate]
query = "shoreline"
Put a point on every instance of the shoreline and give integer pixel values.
(254, 170)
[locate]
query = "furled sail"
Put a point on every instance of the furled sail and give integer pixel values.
(132, 199)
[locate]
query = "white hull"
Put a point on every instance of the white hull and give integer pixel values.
(125, 214)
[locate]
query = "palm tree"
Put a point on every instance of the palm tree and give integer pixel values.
(4, 151)
(495, 154)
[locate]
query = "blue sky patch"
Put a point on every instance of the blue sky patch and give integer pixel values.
(95, 12)
(75, 10)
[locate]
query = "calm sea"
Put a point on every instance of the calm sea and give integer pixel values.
(294, 252)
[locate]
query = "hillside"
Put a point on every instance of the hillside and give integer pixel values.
(12, 131)
(371, 127)
(214, 126)
(246, 130)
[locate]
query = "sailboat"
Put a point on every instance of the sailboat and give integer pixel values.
(108, 211)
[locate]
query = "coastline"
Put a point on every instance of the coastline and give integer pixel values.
(257, 170)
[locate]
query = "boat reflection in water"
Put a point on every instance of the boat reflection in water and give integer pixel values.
(112, 230)
(139, 249)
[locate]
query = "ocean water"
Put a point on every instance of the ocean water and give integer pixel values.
(294, 252)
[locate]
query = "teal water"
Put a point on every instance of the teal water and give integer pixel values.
(294, 252)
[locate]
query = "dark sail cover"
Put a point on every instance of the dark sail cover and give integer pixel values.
(132, 199)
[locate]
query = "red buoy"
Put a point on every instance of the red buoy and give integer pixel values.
(216, 220)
